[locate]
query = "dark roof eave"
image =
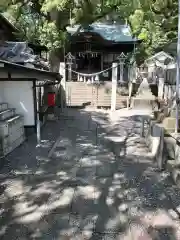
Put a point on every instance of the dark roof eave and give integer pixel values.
(13, 67)
(38, 47)
(128, 42)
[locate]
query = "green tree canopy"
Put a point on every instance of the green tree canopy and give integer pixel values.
(45, 21)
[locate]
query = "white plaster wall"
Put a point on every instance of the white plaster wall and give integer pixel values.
(19, 95)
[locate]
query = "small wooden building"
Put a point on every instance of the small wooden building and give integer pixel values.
(18, 88)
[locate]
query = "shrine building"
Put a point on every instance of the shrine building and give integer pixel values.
(97, 46)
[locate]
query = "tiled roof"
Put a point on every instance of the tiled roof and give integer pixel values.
(111, 32)
(38, 73)
(19, 52)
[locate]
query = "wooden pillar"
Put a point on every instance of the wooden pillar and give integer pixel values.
(114, 86)
(102, 59)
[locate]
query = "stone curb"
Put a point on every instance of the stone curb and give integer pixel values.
(174, 172)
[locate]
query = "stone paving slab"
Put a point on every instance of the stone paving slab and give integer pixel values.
(88, 189)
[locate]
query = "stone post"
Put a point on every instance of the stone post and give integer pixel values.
(161, 88)
(114, 86)
(166, 90)
(62, 72)
(170, 93)
(160, 75)
(130, 94)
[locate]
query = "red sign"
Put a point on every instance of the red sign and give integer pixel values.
(51, 99)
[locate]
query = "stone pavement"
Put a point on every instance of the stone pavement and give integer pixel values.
(96, 181)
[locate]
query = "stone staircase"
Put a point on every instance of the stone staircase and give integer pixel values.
(144, 98)
(11, 129)
(80, 93)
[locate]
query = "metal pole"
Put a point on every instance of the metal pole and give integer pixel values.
(96, 134)
(178, 73)
(38, 123)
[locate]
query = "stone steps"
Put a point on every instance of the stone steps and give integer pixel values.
(80, 93)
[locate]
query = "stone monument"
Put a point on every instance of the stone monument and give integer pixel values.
(144, 98)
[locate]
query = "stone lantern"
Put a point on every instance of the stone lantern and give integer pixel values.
(143, 70)
(121, 58)
(69, 61)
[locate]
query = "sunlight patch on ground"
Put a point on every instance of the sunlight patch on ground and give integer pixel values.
(42, 159)
(24, 207)
(23, 172)
(88, 192)
(60, 200)
(16, 188)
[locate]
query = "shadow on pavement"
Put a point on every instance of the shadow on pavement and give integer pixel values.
(98, 183)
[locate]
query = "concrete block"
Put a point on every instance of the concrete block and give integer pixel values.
(141, 103)
(8, 113)
(174, 170)
(155, 142)
(16, 135)
(3, 106)
(3, 143)
(170, 144)
(3, 129)
(173, 113)
(169, 123)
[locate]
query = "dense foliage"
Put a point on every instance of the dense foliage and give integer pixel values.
(45, 21)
